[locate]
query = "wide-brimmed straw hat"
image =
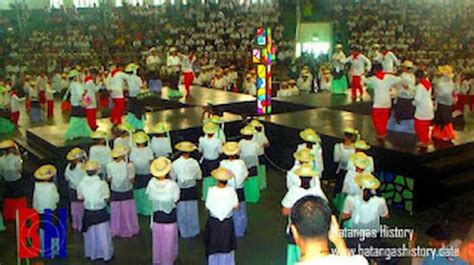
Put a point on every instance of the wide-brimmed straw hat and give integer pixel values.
(210, 128)
(91, 165)
(5, 144)
(361, 145)
(160, 167)
(222, 173)
(446, 70)
(231, 148)
(407, 64)
(185, 146)
(160, 128)
(248, 130)
(367, 181)
(360, 160)
(309, 135)
(306, 170)
(256, 123)
(75, 153)
(45, 172)
(350, 130)
(304, 155)
(140, 137)
(119, 151)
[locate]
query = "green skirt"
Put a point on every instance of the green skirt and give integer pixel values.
(173, 93)
(293, 254)
(78, 128)
(2, 225)
(207, 182)
(262, 176)
(144, 205)
(137, 124)
(252, 190)
(6, 126)
(339, 86)
(338, 201)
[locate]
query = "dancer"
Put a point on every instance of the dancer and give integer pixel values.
(312, 141)
(141, 157)
(121, 174)
(249, 154)
(342, 153)
(74, 174)
(186, 171)
(100, 151)
(187, 64)
(96, 226)
(262, 140)
(443, 129)
(339, 80)
(161, 140)
(78, 126)
(164, 194)
(240, 172)
(115, 83)
(302, 156)
(136, 106)
(219, 237)
(210, 148)
(359, 66)
(91, 88)
(424, 112)
(173, 63)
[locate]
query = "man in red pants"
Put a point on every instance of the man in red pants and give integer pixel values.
(116, 83)
(424, 112)
(91, 97)
(359, 66)
(382, 83)
(187, 69)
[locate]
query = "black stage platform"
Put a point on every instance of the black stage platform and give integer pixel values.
(413, 179)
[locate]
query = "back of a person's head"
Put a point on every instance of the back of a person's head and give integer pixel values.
(311, 216)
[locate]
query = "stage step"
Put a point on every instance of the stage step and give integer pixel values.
(448, 165)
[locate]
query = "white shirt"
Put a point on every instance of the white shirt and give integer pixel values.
(293, 180)
(141, 158)
(163, 194)
(45, 196)
(122, 141)
(349, 185)
(262, 140)
(317, 151)
(249, 152)
(116, 83)
(237, 166)
(368, 169)
(209, 147)
(152, 62)
(342, 153)
(91, 92)
(134, 84)
(187, 65)
(101, 154)
(408, 80)
(77, 91)
(423, 103)
(121, 175)
(296, 193)
(161, 146)
(382, 88)
(15, 102)
(365, 214)
(221, 202)
(173, 63)
(11, 166)
(337, 260)
(186, 172)
(360, 65)
(94, 192)
(388, 61)
(75, 176)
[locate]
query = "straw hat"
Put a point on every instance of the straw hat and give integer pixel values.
(119, 151)
(140, 137)
(173, 49)
(160, 167)
(306, 170)
(407, 64)
(350, 130)
(231, 148)
(361, 145)
(222, 173)
(217, 119)
(309, 135)
(45, 172)
(91, 165)
(256, 123)
(304, 155)
(367, 181)
(75, 153)
(72, 74)
(210, 128)
(291, 82)
(99, 135)
(446, 70)
(160, 128)
(185, 146)
(131, 67)
(360, 160)
(5, 144)
(248, 130)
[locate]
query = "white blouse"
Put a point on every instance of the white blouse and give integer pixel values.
(210, 147)
(45, 196)
(365, 214)
(121, 175)
(141, 158)
(186, 172)
(221, 202)
(161, 146)
(317, 151)
(164, 194)
(240, 171)
(249, 152)
(94, 192)
(342, 153)
(74, 176)
(101, 154)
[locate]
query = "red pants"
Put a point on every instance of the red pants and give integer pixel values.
(444, 133)
(14, 117)
(50, 107)
(471, 103)
(10, 205)
(462, 100)
(42, 97)
(27, 104)
(91, 115)
(117, 110)
(422, 129)
(356, 85)
(188, 81)
(104, 101)
(380, 120)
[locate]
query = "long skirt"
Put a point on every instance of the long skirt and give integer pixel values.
(262, 175)
(137, 124)
(240, 219)
(339, 86)
(78, 126)
(6, 126)
(443, 129)
(98, 242)
(207, 182)
(293, 254)
(143, 204)
(165, 243)
(136, 113)
(77, 213)
(188, 218)
(222, 258)
(2, 225)
(35, 112)
(155, 85)
(252, 189)
(124, 219)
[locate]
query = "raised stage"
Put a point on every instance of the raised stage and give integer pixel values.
(413, 179)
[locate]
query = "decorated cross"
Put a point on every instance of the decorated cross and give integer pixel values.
(263, 55)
